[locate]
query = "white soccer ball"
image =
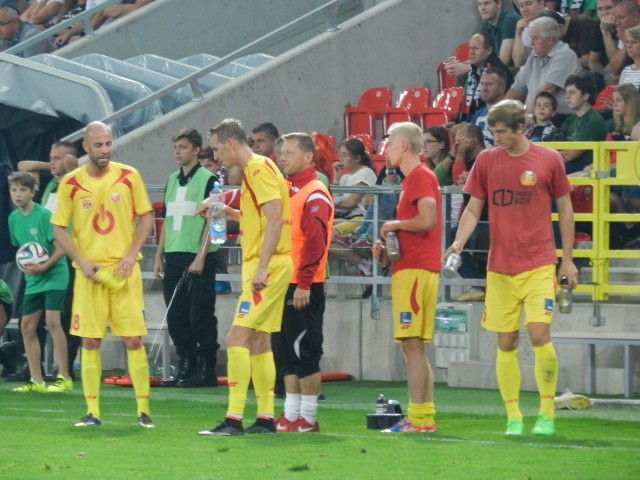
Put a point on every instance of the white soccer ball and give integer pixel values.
(31, 253)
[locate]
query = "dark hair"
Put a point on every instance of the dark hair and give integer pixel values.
(473, 131)
(498, 73)
(356, 149)
(305, 142)
(548, 96)
(268, 128)
(24, 179)
(228, 129)
(442, 135)
(189, 134)
(585, 83)
(206, 154)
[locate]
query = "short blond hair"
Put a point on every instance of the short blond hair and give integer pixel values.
(410, 132)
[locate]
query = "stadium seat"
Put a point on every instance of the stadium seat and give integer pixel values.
(603, 97)
(416, 100)
(451, 100)
(370, 109)
(444, 79)
(394, 115)
(378, 158)
(366, 140)
(325, 153)
(432, 117)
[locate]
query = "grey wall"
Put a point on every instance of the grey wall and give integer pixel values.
(397, 43)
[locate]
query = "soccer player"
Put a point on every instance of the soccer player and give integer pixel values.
(188, 261)
(266, 271)
(414, 277)
(101, 200)
(46, 284)
(518, 180)
(299, 343)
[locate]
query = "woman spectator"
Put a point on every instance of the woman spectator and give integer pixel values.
(350, 207)
(436, 151)
(43, 13)
(631, 73)
(626, 112)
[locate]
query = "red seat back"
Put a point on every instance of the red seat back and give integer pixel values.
(451, 100)
(603, 96)
(376, 100)
(433, 117)
(416, 100)
(325, 153)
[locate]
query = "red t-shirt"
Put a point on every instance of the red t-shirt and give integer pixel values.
(519, 191)
(419, 249)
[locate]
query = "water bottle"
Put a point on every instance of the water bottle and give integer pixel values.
(565, 296)
(393, 246)
(381, 405)
(454, 260)
(380, 257)
(217, 216)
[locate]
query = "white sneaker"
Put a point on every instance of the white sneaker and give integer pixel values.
(471, 295)
(365, 266)
(570, 401)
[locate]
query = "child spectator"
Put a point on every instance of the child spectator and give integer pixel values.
(46, 284)
(543, 111)
(626, 113)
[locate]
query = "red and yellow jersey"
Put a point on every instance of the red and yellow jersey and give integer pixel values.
(261, 183)
(102, 211)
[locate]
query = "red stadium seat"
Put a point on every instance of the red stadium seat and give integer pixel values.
(367, 141)
(462, 52)
(444, 79)
(432, 117)
(416, 100)
(451, 100)
(394, 115)
(362, 118)
(378, 158)
(358, 121)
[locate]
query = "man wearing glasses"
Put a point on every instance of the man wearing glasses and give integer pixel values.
(13, 31)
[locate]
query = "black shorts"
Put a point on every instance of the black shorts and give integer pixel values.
(298, 346)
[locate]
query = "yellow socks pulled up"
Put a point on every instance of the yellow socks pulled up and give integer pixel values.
(263, 375)
(508, 374)
(139, 372)
(91, 368)
(546, 372)
(239, 375)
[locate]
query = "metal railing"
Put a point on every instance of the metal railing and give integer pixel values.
(327, 12)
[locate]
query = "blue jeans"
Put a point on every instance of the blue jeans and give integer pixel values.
(387, 210)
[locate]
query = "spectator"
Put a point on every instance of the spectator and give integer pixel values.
(481, 57)
(631, 73)
(627, 15)
(501, 25)
(13, 31)
(626, 113)
(436, 150)
(547, 68)
(530, 10)
(263, 138)
(576, 32)
(543, 112)
(114, 12)
(350, 207)
(186, 262)
(46, 285)
(572, 7)
(493, 87)
(586, 125)
(604, 44)
(43, 13)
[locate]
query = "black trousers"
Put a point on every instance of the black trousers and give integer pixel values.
(191, 318)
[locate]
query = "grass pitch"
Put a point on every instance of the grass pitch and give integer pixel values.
(39, 440)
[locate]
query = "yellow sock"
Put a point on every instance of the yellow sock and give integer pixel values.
(91, 368)
(508, 373)
(546, 370)
(421, 414)
(238, 375)
(139, 371)
(263, 375)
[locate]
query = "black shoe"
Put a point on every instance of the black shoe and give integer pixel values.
(205, 375)
(8, 358)
(22, 376)
(261, 425)
(228, 428)
(186, 369)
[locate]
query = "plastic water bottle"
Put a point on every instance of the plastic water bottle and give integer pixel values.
(565, 296)
(393, 246)
(454, 260)
(381, 405)
(217, 216)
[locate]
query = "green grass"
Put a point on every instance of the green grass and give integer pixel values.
(40, 441)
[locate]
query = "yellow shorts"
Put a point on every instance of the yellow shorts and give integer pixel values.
(263, 312)
(345, 227)
(507, 294)
(414, 293)
(94, 305)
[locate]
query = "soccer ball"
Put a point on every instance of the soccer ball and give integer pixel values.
(31, 253)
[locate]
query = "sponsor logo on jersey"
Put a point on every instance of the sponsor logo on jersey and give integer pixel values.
(114, 197)
(405, 320)
(548, 306)
(244, 308)
(528, 178)
(87, 203)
